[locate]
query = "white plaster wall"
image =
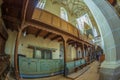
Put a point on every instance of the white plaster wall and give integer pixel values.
(29, 40)
(69, 58)
(55, 9)
(10, 44)
(73, 52)
(39, 42)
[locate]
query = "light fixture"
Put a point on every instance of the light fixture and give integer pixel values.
(24, 33)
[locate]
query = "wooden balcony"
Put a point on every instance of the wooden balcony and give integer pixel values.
(15, 15)
(56, 22)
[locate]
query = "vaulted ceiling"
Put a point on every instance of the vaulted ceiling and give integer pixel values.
(76, 7)
(79, 8)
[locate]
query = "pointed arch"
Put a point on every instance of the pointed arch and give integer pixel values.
(63, 14)
(41, 4)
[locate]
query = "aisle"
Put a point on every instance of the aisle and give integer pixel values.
(91, 74)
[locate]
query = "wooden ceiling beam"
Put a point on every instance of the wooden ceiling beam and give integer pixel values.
(11, 19)
(38, 33)
(60, 40)
(77, 44)
(72, 42)
(69, 40)
(55, 37)
(47, 35)
(24, 10)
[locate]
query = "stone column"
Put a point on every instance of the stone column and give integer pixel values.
(109, 25)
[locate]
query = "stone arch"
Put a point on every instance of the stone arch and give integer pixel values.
(108, 23)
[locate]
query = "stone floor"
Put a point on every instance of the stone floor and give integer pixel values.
(91, 74)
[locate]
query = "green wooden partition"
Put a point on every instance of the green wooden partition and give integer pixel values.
(39, 67)
(73, 64)
(33, 68)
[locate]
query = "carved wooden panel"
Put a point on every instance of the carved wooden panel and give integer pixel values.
(56, 21)
(64, 26)
(36, 14)
(46, 17)
(71, 29)
(33, 66)
(79, 35)
(75, 32)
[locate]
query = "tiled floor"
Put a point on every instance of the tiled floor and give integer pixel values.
(90, 74)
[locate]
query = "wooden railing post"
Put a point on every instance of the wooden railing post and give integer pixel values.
(83, 50)
(65, 55)
(16, 61)
(76, 48)
(87, 55)
(90, 54)
(16, 54)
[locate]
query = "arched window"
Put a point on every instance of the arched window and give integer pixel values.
(63, 14)
(95, 32)
(41, 4)
(81, 21)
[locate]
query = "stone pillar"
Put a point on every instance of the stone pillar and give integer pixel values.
(109, 25)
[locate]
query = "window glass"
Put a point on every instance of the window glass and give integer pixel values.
(95, 32)
(81, 21)
(41, 4)
(63, 14)
(43, 54)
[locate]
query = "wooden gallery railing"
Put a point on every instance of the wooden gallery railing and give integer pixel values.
(56, 22)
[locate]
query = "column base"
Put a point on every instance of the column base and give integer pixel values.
(110, 71)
